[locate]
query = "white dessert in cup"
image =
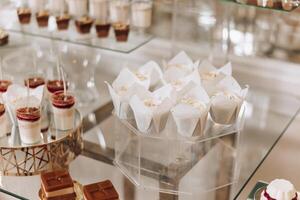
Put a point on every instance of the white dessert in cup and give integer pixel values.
(225, 107)
(37, 5)
(29, 122)
(63, 111)
(141, 14)
(78, 7)
(99, 9)
(119, 11)
(279, 189)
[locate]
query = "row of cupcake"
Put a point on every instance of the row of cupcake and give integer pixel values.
(276, 4)
(27, 107)
(187, 91)
(60, 185)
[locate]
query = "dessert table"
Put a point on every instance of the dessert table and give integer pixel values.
(271, 108)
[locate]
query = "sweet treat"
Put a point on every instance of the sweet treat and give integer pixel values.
(119, 11)
(63, 110)
(84, 24)
(100, 191)
(62, 22)
(3, 123)
(225, 107)
(34, 82)
(99, 9)
(287, 4)
(58, 185)
(102, 30)
(3, 37)
(24, 15)
(42, 18)
(55, 86)
(4, 85)
(280, 189)
(121, 32)
(78, 8)
(141, 14)
(29, 124)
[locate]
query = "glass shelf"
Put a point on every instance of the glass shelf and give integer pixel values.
(137, 38)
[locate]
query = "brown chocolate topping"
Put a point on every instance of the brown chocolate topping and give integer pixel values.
(56, 180)
(100, 191)
(55, 86)
(60, 100)
(2, 109)
(24, 15)
(28, 114)
(35, 82)
(102, 30)
(84, 25)
(4, 85)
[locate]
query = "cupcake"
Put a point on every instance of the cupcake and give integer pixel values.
(141, 14)
(63, 110)
(24, 15)
(100, 191)
(121, 32)
(42, 18)
(3, 123)
(4, 85)
(34, 82)
(84, 24)
(29, 121)
(102, 29)
(280, 189)
(62, 22)
(57, 185)
(3, 37)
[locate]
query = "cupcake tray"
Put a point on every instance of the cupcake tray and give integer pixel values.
(56, 150)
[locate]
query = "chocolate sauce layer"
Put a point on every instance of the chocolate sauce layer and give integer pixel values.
(35, 82)
(31, 114)
(55, 86)
(60, 100)
(4, 85)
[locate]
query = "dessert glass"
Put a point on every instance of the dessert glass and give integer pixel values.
(29, 121)
(62, 22)
(102, 29)
(63, 110)
(34, 81)
(84, 24)
(141, 14)
(121, 32)
(37, 5)
(4, 85)
(42, 18)
(99, 9)
(24, 15)
(119, 11)
(54, 86)
(78, 8)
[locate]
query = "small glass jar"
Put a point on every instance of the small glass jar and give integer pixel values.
(120, 11)
(78, 8)
(141, 12)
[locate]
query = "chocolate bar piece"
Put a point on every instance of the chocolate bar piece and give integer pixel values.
(58, 185)
(100, 191)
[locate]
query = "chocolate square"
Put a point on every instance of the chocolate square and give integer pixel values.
(57, 180)
(100, 191)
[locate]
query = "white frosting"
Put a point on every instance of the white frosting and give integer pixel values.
(64, 118)
(119, 11)
(30, 132)
(280, 189)
(194, 102)
(99, 9)
(141, 14)
(78, 8)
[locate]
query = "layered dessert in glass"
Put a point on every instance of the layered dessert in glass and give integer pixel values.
(78, 8)
(3, 122)
(119, 11)
(42, 18)
(121, 32)
(62, 22)
(84, 24)
(63, 110)
(4, 85)
(57, 185)
(24, 15)
(100, 191)
(141, 14)
(102, 29)
(3, 37)
(55, 86)
(29, 121)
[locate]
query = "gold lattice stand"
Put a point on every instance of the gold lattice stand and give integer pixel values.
(27, 161)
